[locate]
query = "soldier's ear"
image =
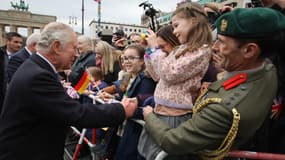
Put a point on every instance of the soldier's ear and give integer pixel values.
(251, 50)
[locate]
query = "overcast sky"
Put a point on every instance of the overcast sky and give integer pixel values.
(118, 11)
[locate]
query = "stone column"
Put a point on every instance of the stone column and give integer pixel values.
(2, 34)
(41, 28)
(13, 28)
(30, 31)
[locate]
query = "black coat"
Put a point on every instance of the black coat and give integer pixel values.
(3, 65)
(37, 111)
(16, 61)
(80, 64)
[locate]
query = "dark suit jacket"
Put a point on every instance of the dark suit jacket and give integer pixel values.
(15, 62)
(37, 111)
(3, 65)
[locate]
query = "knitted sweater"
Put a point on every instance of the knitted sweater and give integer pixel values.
(179, 79)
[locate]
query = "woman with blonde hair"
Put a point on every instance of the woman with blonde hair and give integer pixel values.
(108, 60)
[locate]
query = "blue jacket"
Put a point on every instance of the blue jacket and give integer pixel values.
(142, 88)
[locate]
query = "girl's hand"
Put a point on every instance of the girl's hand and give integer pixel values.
(151, 39)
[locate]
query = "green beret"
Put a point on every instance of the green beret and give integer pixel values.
(250, 22)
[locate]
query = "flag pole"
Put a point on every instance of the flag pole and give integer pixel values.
(99, 15)
(82, 29)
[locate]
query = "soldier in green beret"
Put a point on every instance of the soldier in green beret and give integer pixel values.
(228, 114)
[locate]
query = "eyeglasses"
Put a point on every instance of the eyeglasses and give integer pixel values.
(129, 58)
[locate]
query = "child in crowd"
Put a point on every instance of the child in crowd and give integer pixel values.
(136, 84)
(97, 83)
(180, 72)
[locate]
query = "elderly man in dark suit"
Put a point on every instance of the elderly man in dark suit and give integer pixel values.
(23, 54)
(37, 111)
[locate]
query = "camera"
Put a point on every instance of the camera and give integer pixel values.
(150, 12)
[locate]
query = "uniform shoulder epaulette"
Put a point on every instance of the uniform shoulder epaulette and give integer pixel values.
(234, 81)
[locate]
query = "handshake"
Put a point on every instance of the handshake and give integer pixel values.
(130, 105)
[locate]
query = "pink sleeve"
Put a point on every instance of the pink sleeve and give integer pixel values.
(185, 67)
(151, 63)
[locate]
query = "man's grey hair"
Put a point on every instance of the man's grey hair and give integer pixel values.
(85, 39)
(54, 31)
(33, 38)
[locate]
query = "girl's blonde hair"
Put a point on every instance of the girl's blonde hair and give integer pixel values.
(201, 32)
(108, 58)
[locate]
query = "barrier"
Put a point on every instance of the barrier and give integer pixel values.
(97, 149)
(256, 155)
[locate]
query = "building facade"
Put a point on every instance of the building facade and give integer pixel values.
(15, 19)
(232, 3)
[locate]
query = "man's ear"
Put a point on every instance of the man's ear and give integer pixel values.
(251, 50)
(56, 46)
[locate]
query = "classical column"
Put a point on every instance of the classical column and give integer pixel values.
(30, 30)
(13, 28)
(41, 28)
(2, 34)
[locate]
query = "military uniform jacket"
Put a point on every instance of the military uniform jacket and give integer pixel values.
(213, 120)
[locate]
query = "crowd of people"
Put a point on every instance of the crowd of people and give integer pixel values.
(209, 82)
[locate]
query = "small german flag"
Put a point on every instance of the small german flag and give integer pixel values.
(83, 82)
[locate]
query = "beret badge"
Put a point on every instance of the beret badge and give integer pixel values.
(224, 25)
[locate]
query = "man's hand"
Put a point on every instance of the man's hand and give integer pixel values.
(219, 61)
(121, 42)
(146, 111)
(130, 105)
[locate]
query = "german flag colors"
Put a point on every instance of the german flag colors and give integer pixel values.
(83, 82)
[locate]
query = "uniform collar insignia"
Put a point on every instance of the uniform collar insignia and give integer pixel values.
(234, 81)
